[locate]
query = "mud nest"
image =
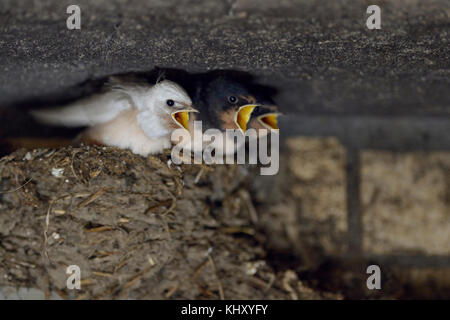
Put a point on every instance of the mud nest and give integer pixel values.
(137, 228)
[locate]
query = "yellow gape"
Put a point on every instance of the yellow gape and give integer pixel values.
(182, 118)
(243, 116)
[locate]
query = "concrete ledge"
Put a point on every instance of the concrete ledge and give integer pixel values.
(319, 53)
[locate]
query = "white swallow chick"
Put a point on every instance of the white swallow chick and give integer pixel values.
(127, 114)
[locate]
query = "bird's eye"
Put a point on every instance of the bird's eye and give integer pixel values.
(232, 99)
(170, 102)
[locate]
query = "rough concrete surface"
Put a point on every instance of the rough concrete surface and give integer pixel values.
(319, 53)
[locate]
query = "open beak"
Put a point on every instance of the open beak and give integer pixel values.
(181, 117)
(243, 115)
(269, 120)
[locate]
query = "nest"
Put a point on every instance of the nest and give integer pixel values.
(136, 227)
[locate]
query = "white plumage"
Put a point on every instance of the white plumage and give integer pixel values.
(128, 115)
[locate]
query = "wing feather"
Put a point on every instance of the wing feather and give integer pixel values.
(89, 111)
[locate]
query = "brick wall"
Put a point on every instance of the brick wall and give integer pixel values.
(402, 216)
(363, 192)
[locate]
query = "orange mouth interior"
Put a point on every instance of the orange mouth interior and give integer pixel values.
(181, 118)
(270, 121)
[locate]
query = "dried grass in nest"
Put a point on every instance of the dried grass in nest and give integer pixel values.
(135, 227)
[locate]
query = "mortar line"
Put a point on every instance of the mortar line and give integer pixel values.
(354, 227)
